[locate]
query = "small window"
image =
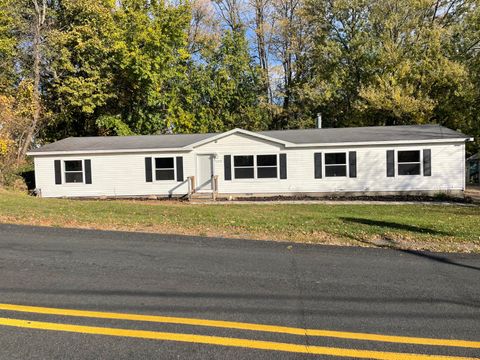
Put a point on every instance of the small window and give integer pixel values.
(73, 171)
(243, 167)
(335, 164)
(409, 162)
(266, 166)
(164, 169)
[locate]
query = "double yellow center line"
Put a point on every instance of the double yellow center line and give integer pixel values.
(233, 342)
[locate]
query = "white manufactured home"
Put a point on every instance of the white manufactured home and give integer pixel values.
(424, 159)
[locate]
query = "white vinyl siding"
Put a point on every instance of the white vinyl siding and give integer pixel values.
(124, 174)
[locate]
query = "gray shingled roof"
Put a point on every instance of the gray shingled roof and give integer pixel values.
(97, 143)
(365, 134)
(302, 136)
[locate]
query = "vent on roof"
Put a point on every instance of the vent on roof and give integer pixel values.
(319, 121)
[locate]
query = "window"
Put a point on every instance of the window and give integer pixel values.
(335, 164)
(73, 171)
(409, 162)
(255, 166)
(266, 166)
(164, 169)
(243, 167)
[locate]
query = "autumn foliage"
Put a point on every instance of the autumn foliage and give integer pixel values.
(106, 67)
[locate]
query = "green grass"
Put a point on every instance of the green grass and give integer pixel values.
(433, 227)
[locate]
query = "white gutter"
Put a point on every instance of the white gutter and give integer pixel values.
(119, 151)
(393, 142)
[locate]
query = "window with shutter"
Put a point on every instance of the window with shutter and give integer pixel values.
(408, 162)
(73, 171)
(335, 164)
(164, 169)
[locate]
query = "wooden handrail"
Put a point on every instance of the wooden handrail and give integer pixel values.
(215, 187)
(191, 186)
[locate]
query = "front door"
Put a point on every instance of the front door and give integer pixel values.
(204, 172)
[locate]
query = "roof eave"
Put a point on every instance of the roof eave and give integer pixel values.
(366, 143)
(118, 151)
(286, 144)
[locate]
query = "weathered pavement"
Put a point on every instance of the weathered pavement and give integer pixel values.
(188, 281)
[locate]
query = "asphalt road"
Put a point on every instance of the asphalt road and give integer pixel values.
(347, 290)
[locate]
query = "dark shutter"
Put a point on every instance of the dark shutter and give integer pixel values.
(427, 162)
(58, 172)
(283, 166)
(352, 163)
(179, 168)
(318, 165)
(390, 163)
(148, 169)
(88, 171)
(227, 164)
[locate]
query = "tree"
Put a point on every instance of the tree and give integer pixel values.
(383, 63)
(204, 29)
(117, 66)
(229, 11)
(417, 78)
(39, 24)
(8, 78)
(8, 46)
(16, 112)
(226, 89)
(288, 44)
(151, 64)
(109, 67)
(262, 10)
(467, 48)
(79, 82)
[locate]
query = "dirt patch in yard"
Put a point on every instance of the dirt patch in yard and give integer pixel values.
(440, 198)
(411, 243)
(473, 193)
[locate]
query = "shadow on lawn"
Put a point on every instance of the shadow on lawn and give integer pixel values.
(395, 226)
(391, 244)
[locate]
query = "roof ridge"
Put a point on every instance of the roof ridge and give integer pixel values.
(258, 131)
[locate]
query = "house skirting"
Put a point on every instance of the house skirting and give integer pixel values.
(454, 193)
(458, 193)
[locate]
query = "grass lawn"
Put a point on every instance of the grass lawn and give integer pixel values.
(428, 227)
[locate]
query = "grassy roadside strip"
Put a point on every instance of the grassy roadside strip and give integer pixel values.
(418, 226)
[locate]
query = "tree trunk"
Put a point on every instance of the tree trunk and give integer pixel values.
(260, 6)
(38, 26)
